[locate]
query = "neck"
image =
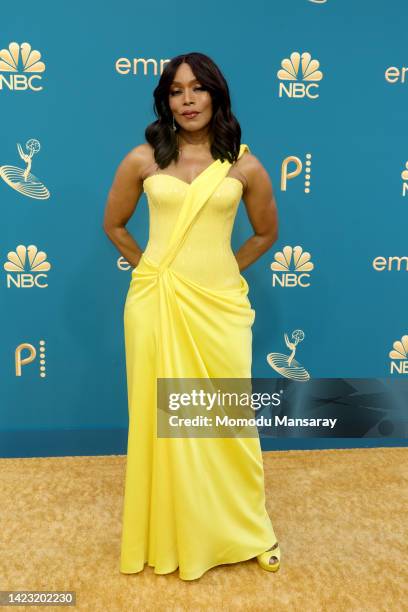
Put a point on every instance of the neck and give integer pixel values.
(200, 139)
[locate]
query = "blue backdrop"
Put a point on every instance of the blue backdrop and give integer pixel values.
(76, 101)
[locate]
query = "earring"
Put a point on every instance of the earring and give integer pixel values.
(174, 124)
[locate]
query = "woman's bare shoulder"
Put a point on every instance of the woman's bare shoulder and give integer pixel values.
(139, 159)
(142, 154)
(249, 167)
(249, 162)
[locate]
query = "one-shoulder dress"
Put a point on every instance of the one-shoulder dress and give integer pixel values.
(189, 503)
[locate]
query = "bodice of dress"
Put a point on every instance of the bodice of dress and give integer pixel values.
(205, 256)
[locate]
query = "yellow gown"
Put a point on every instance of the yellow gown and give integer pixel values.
(189, 503)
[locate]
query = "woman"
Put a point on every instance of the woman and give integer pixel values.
(191, 503)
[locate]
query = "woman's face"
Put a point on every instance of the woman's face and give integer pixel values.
(187, 94)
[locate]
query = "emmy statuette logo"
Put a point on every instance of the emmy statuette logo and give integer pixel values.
(21, 179)
(286, 365)
(20, 68)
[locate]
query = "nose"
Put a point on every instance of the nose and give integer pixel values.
(188, 96)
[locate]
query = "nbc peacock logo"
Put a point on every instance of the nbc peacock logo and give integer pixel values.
(292, 167)
(26, 267)
(299, 76)
(21, 179)
(399, 356)
(292, 267)
(404, 176)
(286, 365)
(21, 68)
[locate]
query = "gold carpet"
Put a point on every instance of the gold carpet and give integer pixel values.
(340, 517)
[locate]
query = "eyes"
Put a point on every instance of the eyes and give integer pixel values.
(176, 91)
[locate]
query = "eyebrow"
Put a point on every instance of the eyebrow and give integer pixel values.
(179, 83)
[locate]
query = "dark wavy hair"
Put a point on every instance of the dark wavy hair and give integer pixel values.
(224, 129)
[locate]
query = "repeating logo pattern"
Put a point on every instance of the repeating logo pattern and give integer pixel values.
(299, 76)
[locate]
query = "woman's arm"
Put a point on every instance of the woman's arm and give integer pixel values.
(262, 212)
(122, 200)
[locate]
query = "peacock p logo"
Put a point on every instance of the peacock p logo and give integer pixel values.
(292, 167)
(27, 353)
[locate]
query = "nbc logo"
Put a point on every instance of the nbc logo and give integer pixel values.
(22, 67)
(288, 174)
(37, 264)
(291, 259)
(290, 73)
(399, 356)
(32, 354)
(404, 176)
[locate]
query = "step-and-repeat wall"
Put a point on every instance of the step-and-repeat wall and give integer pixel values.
(320, 90)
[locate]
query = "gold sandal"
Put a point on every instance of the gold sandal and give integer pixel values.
(268, 562)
